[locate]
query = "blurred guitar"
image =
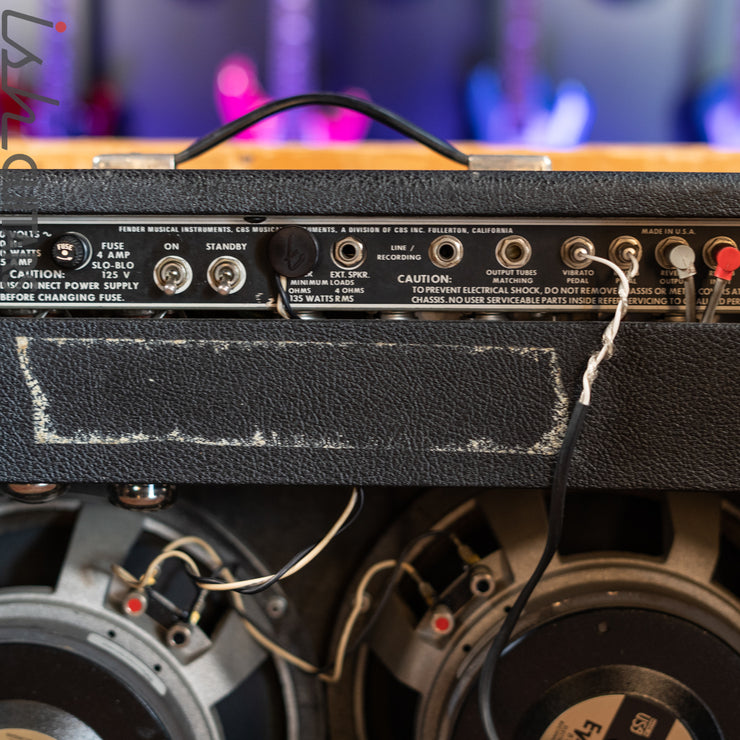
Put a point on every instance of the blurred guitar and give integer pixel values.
(718, 105)
(518, 104)
(291, 41)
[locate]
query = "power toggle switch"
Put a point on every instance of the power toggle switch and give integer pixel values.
(173, 275)
(71, 251)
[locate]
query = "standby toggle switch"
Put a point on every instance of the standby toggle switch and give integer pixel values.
(71, 251)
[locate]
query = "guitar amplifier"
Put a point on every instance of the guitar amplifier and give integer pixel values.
(252, 345)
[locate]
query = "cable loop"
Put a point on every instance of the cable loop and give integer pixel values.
(366, 107)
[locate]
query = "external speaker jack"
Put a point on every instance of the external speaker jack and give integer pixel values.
(348, 253)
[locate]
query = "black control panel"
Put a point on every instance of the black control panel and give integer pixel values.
(370, 264)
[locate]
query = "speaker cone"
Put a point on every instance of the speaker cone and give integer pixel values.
(77, 662)
(634, 628)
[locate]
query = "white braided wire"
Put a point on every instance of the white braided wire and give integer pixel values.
(610, 333)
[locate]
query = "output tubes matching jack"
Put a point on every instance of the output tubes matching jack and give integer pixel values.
(513, 252)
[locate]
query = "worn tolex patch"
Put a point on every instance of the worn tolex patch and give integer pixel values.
(328, 396)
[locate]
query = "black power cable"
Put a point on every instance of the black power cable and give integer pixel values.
(554, 535)
(372, 110)
(558, 490)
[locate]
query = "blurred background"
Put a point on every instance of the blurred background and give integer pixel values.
(533, 72)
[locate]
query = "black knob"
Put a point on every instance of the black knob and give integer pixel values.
(293, 251)
(71, 251)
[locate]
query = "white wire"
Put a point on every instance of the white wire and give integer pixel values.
(193, 540)
(149, 577)
(261, 638)
(171, 551)
(302, 563)
(341, 653)
(610, 333)
(349, 625)
(358, 693)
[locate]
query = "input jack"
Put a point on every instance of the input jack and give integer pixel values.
(620, 249)
(513, 252)
(663, 250)
(576, 251)
(709, 252)
(446, 251)
(226, 275)
(348, 253)
(173, 275)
